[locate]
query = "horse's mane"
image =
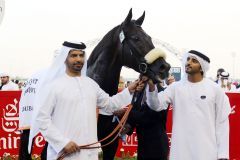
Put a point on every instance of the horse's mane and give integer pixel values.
(104, 44)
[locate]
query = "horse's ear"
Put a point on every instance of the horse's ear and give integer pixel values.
(128, 18)
(140, 20)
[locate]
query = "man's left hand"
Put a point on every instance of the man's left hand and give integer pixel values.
(137, 85)
(120, 112)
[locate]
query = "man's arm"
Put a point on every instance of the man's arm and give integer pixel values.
(222, 125)
(158, 101)
(222, 134)
(122, 99)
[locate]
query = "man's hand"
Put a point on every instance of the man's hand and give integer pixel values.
(170, 79)
(120, 112)
(70, 147)
(136, 85)
(151, 85)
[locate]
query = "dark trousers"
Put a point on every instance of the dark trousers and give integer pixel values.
(151, 133)
(105, 127)
(23, 148)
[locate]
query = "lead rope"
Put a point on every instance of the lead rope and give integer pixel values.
(118, 128)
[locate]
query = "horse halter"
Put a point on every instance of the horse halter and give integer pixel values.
(142, 64)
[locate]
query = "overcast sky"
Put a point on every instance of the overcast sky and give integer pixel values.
(32, 29)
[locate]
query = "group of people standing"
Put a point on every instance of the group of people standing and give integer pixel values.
(224, 81)
(65, 101)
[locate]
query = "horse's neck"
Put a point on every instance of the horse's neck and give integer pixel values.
(111, 80)
(105, 72)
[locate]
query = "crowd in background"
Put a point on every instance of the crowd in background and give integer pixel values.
(223, 78)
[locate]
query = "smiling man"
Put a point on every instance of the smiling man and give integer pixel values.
(200, 112)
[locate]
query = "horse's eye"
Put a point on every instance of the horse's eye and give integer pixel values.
(136, 38)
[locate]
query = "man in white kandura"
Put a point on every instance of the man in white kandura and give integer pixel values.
(67, 115)
(26, 109)
(7, 84)
(225, 83)
(200, 112)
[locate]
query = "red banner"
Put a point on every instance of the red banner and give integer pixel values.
(234, 119)
(9, 102)
(9, 139)
(10, 136)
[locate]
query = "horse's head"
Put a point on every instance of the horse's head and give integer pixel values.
(125, 45)
(138, 51)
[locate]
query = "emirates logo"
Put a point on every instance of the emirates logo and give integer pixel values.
(1, 10)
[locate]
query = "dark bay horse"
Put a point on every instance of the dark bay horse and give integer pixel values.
(125, 45)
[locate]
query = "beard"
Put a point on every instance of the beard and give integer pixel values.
(3, 83)
(77, 67)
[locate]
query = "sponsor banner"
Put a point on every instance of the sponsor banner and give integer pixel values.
(10, 135)
(234, 120)
(9, 139)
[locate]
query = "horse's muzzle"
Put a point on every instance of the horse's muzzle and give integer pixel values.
(158, 70)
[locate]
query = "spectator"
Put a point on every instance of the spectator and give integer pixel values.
(226, 83)
(219, 71)
(7, 84)
(170, 79)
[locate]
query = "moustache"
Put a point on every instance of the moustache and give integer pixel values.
(78, 63)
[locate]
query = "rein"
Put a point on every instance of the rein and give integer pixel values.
(118, 129)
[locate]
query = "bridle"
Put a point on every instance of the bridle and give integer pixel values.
(142, 64)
